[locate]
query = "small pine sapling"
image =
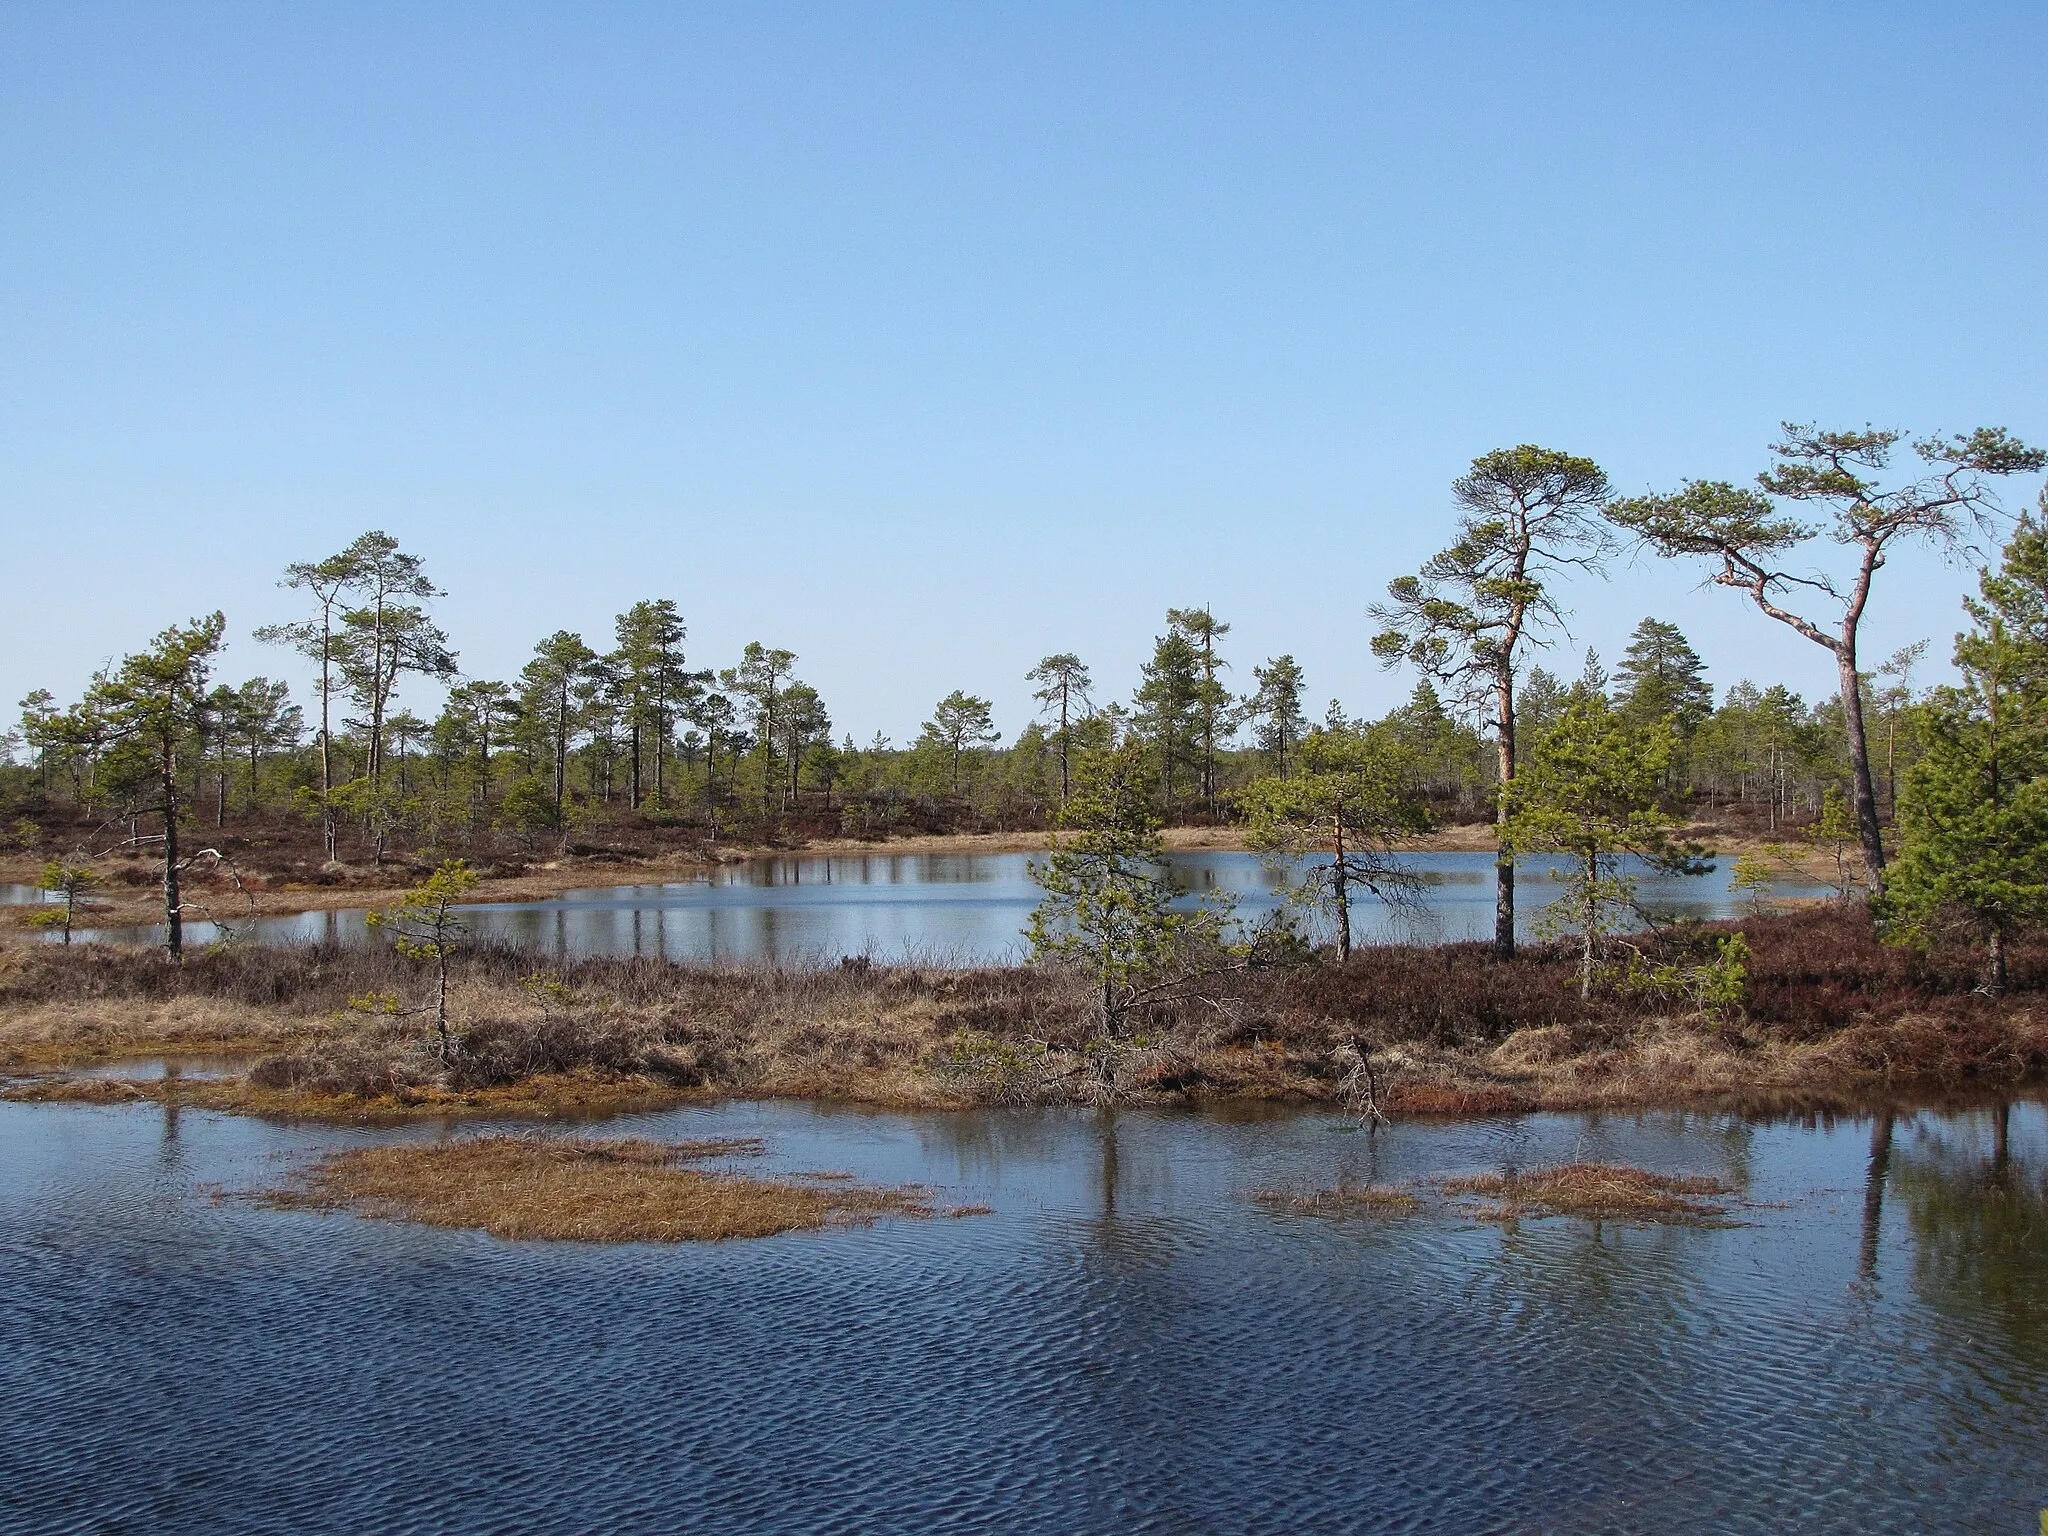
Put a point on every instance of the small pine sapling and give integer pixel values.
(425, 926)
(1752, 875)
(1835, 831)
(72, 885)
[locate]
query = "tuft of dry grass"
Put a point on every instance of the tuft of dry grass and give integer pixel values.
(1344, 1200)
(1596, 1191)
(78, 1090)
(576, 1189)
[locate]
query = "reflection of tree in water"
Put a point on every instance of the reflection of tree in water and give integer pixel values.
(1980, 1234)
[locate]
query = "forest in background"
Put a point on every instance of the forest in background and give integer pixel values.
(583, 746)
(631, 747)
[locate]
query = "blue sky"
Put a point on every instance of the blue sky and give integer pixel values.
(924, 340)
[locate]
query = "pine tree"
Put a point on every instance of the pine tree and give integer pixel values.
(318, 639)
(1661, 677)
(1590, 791)
(1169, 703)
(1276, 706)
(960, 724)
(388, 634)
(156, 701)
(1529, 516)
(1973, 812)
(759, 679)
(1749, 536)
(1063, 696)
(479, 715)
(655, 686)
(1350, 802)
(1211, 710)
(548, 688)
(1108, 906)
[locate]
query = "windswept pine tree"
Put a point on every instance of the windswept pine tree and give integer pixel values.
(1748, 538)
(1529, 516)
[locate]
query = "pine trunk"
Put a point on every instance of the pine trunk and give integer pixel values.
(174, 916)
(1867, 826)
(1504, 860)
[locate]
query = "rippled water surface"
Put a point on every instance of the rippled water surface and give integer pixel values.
(1128, 1343)
(951, 907)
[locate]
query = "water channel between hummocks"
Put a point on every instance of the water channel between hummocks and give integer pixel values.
(1128, 1343)
(949, 908)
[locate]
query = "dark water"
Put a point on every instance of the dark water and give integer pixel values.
(946, 908)
(1127, 1344)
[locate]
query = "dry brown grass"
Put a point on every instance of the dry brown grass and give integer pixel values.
(572, 1189)
(1596, 1191)
(1345, 1200)
(80, 1090)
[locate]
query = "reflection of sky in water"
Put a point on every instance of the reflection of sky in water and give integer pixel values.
(1126, 1343)
(949, 908)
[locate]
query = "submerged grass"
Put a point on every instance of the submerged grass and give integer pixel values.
(1345, 1200)
(575, 1189)
(1595, 1191)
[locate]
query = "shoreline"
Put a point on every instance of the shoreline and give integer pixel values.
(361, 885)
(586, 1099)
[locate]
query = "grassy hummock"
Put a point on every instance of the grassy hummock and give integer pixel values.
(629, 1190)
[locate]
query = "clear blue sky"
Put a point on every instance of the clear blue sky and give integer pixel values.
(924, 340)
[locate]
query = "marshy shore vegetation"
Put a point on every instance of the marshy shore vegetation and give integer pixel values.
(1832, 1017)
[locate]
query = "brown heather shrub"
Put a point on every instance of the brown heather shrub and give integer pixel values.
(1451, 994)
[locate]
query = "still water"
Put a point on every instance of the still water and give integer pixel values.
(1128, 1344)
(947, 908)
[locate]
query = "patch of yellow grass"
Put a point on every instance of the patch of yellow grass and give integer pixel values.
(617, 1191)
(64, 1033)
(1596, 1191)
(1345, 1200)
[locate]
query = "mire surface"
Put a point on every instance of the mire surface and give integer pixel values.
(618, 1191)
(1834, 1019)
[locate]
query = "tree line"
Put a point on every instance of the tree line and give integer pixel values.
(588, 737)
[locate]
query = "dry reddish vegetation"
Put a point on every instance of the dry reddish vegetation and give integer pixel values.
(1833, 1015)
(624, 1191)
